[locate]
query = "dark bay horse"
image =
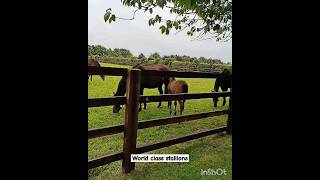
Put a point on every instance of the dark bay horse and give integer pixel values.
(223, 81)
(149, 82)
(94, 63)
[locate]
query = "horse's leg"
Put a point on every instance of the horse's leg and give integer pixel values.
(166, 91)
(145, 103)
(161, 92)
(224, 89)
(181, 103)
(224, 101)
(175, 107)
(141, 93)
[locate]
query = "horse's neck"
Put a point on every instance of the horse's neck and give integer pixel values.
(121, 90)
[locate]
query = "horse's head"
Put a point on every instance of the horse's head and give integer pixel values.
(102, 76)
(116, 108)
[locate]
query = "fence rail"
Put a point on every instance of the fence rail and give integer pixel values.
(97, 102)
(131, 124)
(120, 100)
(118, 156)
(98, 132)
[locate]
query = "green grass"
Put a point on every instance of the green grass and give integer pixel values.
(208, 152)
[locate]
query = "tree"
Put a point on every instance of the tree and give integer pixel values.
(116, 52)
(206, 19)
(109, 52)
(155, 55)
(141, 55)
(125, 53)
(97, 50)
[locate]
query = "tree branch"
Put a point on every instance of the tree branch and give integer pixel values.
(134, 13)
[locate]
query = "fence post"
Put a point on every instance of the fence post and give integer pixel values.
(229, 122)
(131, 119)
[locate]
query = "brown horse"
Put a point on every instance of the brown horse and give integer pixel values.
(94, 63)
(149, 82)
(176, 87)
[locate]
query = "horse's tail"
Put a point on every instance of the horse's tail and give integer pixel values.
(185, 88)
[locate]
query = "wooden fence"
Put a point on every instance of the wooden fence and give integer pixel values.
(131, 124)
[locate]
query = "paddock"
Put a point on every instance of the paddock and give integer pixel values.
(131, 124)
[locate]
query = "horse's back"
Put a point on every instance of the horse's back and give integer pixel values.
(178, 86)
(153, 81)
(225, 79)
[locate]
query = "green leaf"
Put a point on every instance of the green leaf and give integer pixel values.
(216, 27)
(133, 3)
(151, 21)
(167, 31)
(150, 10)
(193, 29)
(169, 24)
(113, 17)
(176, 25)
(106, 16)
(157, 18)
(163, 29)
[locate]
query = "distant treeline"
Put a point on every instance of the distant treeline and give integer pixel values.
(180, 63)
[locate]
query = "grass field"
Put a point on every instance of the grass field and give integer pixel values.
(209, 152)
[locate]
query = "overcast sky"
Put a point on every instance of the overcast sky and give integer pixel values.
(139, 37)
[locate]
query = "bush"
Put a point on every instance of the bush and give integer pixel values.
(169, 61)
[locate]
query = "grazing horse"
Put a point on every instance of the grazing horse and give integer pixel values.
(149, 82)
(223, 81)
(94, 63)
(176, 87)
